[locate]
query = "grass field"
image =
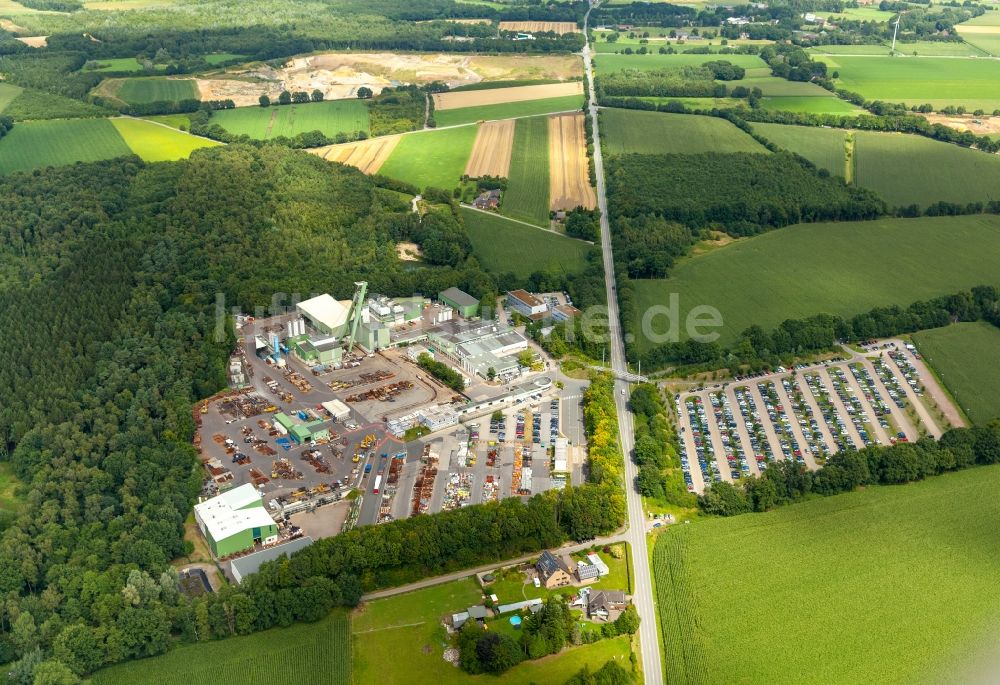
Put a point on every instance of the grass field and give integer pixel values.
(142, 90)
(408, 627)
(609, 63)
(8, 483)
(988, 43)
(504, 246)
(837, 268)
(964, 356)
(432, 158)
(810, 104)
(628, 130)
(925, 47)
(527, 196)
(333, 117)
(907, 169)
(305, 654)
(888, 585)
(698, 103)
(155, 143)
(939, 81)
(122, 64)
(773, 86)
(8, 92)
(465, 115)
(220, 57)
(35, 144)
(824, 147)
(172, 120)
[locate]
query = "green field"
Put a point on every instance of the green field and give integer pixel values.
(698, 103)
(609, 63)
(988, 43)
(35, 144)
(220, 57)
(527, 196)
(629, 130)
(504, 246)
(408, 627)
(888, 585)
(924, 47)
(179, 121)
(824, 147)
(143, 90)
(860, 14)
(908, 169)
(916, 80)
(8, 92)
(964, 356)
(8, 483)
(508, 110)
(431, 158)
(812, 105)
(774, 86)
(155, 143)
(333, 117)
(122, 64)
(305, 654)
(836, 268)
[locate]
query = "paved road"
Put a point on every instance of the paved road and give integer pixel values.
(466, 573)
(652, 666)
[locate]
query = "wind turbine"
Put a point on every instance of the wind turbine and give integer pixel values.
(894, 32)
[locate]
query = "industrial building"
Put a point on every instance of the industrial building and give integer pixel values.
(325, 314)
(251, 563)
(463, 303)
(526, 304)
(301, 432)
(235, 521)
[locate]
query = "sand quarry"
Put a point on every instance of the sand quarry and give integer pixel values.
(339, 75)
(981, 126)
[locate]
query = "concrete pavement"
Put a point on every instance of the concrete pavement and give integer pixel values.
(642, 598)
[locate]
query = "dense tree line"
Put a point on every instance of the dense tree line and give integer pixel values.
(742, 193)
(656, 450)
(53, 5)
(444, 373)
(786, 481)
(6, 124)
(686, 81)
(608, 674)
(758, 349)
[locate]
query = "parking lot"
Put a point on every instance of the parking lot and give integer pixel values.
(734, 430)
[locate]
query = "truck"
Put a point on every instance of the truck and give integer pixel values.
(378, 482)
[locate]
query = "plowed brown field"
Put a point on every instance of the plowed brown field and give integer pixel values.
(497, 96)
(366, 155)
(559, 27)
(491, 153)
(569, 176)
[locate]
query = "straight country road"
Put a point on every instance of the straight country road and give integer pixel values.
(642, 596)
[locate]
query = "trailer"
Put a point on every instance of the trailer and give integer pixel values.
(378, 482)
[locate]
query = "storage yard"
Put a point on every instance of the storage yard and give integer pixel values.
(559, 27)
(882, 396)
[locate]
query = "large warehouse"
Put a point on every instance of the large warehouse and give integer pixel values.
(235, 521)
(326, 315)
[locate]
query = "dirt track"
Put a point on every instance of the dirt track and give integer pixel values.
(559, 27)
(366, 155)
(569, 176)
(491, 153)
(497, 96)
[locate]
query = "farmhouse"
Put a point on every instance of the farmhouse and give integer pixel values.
(552, 572)
(251, 563)
(606, 604)
(235, 521)
(488, 200)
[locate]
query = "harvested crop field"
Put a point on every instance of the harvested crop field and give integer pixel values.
(559, 27)
(569, 178)
(491, 152)
(496, 96)
(366, 155)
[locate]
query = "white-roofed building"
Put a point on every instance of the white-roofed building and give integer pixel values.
(235, 521)
(326, 314)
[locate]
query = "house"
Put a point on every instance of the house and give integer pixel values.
(488, 200)
(552, 571)
(525, 303)
(587, 573)
(477, 613)
(606, 604)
